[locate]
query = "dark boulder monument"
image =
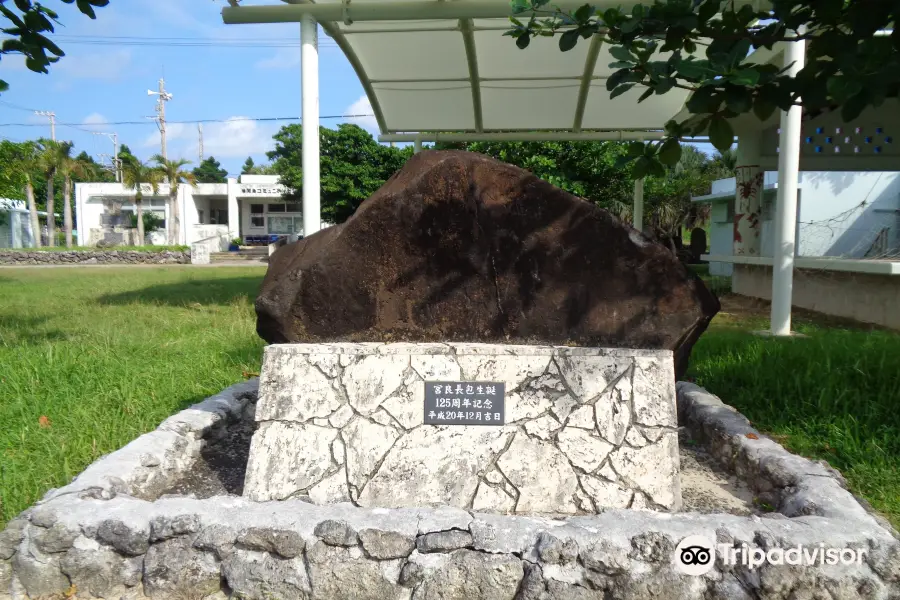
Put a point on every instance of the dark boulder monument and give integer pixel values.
(457, 246)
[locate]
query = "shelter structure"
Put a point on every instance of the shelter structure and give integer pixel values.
(437, 70)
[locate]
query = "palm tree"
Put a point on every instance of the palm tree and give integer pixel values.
(69, 166)
(51, 156)
(135, 173)
(173, 172)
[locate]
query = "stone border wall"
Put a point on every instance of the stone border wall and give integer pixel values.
(93, 257)
(100, 536)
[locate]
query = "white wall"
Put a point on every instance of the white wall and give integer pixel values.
(839, 214)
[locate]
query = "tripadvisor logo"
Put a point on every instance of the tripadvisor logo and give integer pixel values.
(696, 555)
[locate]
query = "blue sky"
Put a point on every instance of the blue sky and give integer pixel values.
(97, 85)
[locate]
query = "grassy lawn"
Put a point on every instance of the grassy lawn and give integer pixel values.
(106, 354)
(833, 394)
(92, 358)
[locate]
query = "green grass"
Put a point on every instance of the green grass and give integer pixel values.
(106, 355)
(96, 249)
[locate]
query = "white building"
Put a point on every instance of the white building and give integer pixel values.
(251, 207)
(847, 250)
(15, 225)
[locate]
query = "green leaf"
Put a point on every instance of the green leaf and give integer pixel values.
(690, 46)
(622, 53)
(520, 6)
(854, 106)
(621, 90)
(738, 99)
(568, 40)
(739, 52)
(635, 149)
(523, 40)
(746, 77)
(670, 152)
(647, 93)
(763, 109)
(584, 13)
(620, 64)
(708, 10)
(656, 168)
(3, 86)
(840, 88)
(721, 135)
(641, 167)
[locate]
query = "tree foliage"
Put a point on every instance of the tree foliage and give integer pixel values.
(29, 24)
(210, 171)
(703, 46)
(352, 166)
(589, 170)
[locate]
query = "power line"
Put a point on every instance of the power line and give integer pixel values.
(192, 121)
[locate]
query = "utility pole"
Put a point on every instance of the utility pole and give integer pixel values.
(115, 159)
(200, 130)
(163, 97)
(52, 117)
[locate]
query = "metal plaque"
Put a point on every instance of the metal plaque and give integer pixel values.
(465, 403)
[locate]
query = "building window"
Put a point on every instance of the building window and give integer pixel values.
(257, 222)
(293, 208)
(200, 216)
(256, 209)
(276, 208)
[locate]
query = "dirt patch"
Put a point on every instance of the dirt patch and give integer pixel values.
(708, 488)
(220, 469)
(705, 486)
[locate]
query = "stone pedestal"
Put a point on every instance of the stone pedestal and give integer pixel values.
(584, 428)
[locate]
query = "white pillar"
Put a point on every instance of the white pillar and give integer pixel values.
(749, 184)
(417, 145)
(786, 207)
(309, 63)
(638, 212)
(234, 213)
(186, 220)
(79, 217)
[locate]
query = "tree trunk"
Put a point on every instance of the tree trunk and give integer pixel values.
(139, 204)
(32, 210)
(67, 210)
(51, 217)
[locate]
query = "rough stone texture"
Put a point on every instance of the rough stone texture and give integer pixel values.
(618, 554)
(457, 246)
(94, 257)
(344, 422)
(385, 545)
(174, 566)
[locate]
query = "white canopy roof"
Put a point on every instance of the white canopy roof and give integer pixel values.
(463, 75)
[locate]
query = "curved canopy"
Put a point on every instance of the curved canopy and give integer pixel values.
(458, 73)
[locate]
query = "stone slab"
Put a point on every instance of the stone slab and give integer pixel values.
(572, 414)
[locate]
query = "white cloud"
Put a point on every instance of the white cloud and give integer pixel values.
(363, 107)
(96, 120)
(284, 58)
(235, 137)
(107, 66)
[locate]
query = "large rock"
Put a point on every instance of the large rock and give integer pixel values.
(457, 246)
